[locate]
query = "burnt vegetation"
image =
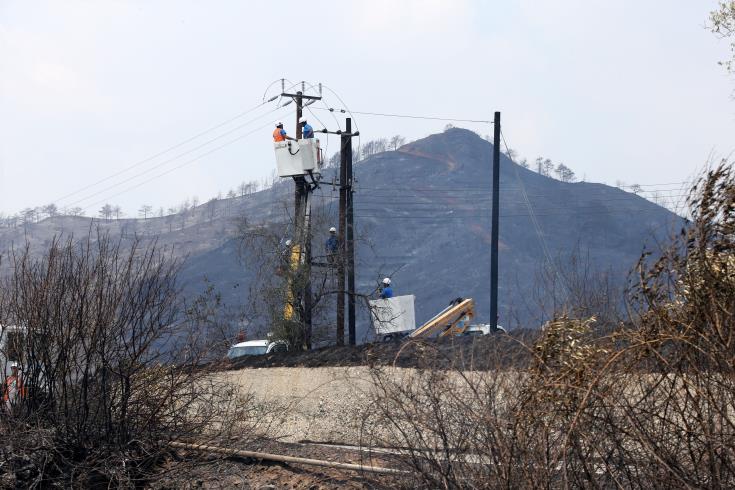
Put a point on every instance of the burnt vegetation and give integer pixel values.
(114, 368)
(111, 367)
(649, 402)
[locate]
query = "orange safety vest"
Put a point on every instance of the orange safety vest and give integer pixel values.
(14, 385)
(277, 136)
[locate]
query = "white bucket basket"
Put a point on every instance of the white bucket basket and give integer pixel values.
(297, 157)
(393, 315)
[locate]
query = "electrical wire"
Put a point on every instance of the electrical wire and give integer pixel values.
(352, 117)
(209, 152)
(457, 215)
(411, 116)
(174, 147)
(162, 152)
(172, 159)
(536, 225)
(332, 111)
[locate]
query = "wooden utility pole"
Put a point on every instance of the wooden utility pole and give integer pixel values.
(300, 181)
(302, 238)
(495, 222)
(344, 141)
(346, 259)
(350, 239)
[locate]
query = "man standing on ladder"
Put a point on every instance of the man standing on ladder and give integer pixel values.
(332, 246)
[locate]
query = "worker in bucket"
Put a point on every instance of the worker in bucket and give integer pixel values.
(331, 246)
(386, 292)
(279, 134)
(307, 131)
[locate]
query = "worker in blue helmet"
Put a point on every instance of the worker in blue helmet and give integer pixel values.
(331, 246)
(386, 291)
(307, 131)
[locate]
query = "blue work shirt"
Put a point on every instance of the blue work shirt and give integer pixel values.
(387, 292)
(308, 131)
(331, 244)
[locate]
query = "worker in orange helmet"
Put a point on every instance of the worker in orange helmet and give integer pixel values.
(279, 134)
(14, 389)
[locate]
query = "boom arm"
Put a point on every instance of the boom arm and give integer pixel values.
(451, 320)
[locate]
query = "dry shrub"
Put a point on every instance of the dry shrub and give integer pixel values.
(112, 369)
(681, 405)
(651, 404)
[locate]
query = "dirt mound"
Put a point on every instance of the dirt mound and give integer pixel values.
(465, 352)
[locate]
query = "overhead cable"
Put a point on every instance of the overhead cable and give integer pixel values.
(409, 116)
(209, 152)
(174, 158)
(162, 152)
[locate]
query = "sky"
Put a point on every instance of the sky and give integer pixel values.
(113, 101)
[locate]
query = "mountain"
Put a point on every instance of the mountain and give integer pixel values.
(422, 216)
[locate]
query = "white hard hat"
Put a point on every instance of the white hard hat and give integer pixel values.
(279, 123)
(288, 242)
(14, 365)
(302, 119)
(333, 230)
(386, 281)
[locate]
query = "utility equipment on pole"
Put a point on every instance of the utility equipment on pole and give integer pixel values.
(300, 159)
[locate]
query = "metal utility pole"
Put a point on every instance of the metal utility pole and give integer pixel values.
(350, 239)
(495, 222)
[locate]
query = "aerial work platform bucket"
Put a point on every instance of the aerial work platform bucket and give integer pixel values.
(393, 315)
(300, 157)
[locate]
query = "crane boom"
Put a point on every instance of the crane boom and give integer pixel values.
(451, 320)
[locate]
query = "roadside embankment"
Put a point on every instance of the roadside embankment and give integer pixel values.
(319, 404)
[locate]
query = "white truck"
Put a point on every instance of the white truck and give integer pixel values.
(481, 329)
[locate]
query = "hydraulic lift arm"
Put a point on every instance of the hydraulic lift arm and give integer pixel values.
(452, 320)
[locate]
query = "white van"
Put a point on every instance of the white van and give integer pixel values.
(481, 329)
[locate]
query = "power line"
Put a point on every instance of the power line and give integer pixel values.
(162, 152)
(477, 194)
(456, 215)
(460, 186)
(408, 116)
(172, 159)
(209, 152)
(180, 144)
(536, 225)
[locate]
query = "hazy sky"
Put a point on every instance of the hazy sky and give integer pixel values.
(624, 90)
